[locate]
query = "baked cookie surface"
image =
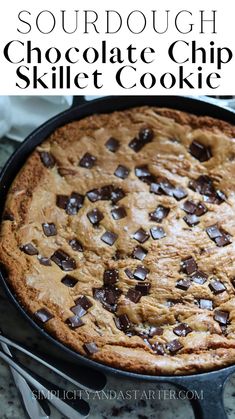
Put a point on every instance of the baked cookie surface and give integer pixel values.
(119, 239)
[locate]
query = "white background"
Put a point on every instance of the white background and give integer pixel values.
(224, 37)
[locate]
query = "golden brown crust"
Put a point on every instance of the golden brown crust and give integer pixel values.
(31, 201)
(201, 122)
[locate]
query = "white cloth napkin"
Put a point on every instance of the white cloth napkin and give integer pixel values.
(20, 115)
(225, 103)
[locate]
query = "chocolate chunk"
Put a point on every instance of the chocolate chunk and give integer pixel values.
(118, 213)
(29, 249)
(141, 235)
(158, 348)
(150, 179)
(220, 237)
(122, 322)
(136, 144)
(116, 195)
(62, 201)
(189, 207)
(212, 198)
(200, 151)
(43, 315)
(93, 195)
(157, 233)
(183, 284)
(63, 260)
(7, 216)
(74, 322)
(144, 288)
(109, 238)
(68, 264)
(182, 329)
(110, 277)
(233, 282)
(111, 297)
(191, 220)
(106, 192)
(159, 213)
(201, 209)
(87, 161)
(224, 240)
(139, 253)
(142, 171)
(112, 144)
(174, 346)
(221, 197)
(49, 229)
(129, 273)
(78, 310)
(188, 265)
(155, 331)
(221, 316)
(155, 188)
(205, 186)
(108, 297)
(44, 261)
(213, 232)
(179, 193)
(75, 202)
(47, 159)
(217, 287)
(166, 187)
(146, 135)
(69, 281)
(206, 304)
(122, 172)
(95, 216)
(76, 245)
(141, 273)
(199, 277)
(84, 302)
(99, 294)
(193, 184)
(134, 295)
(90, 348)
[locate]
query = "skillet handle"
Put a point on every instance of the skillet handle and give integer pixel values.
(205, 394)
(79, 100)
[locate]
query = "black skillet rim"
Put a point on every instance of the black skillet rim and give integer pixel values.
(85, 108)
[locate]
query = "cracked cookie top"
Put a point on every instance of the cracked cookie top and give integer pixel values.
(119, 239)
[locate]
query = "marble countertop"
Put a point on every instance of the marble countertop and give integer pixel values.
(110, 404)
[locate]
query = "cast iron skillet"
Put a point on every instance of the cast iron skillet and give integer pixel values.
(211, 384)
